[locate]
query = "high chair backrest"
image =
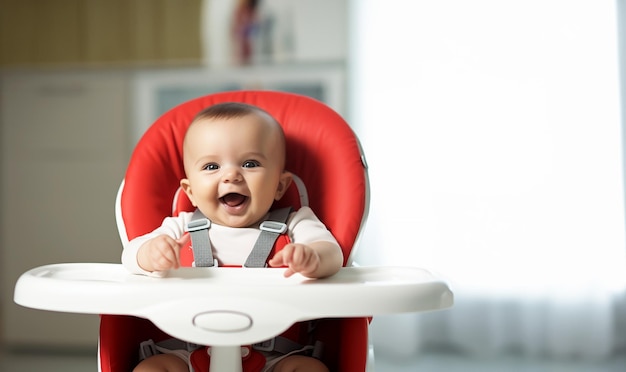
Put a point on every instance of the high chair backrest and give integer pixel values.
(322, 150)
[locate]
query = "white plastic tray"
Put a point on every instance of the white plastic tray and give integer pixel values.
(227, 307)
(259, 303)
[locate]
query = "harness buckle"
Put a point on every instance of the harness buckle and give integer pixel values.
(199, 224)
(273, 227)
(267, 345)
(215, 263)
(147, 349)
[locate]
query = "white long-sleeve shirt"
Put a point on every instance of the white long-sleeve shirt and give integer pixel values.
(230, 245)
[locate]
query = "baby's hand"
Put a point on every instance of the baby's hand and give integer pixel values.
(161, 253)
(298, 258)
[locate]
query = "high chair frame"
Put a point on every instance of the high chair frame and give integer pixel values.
(225, 307)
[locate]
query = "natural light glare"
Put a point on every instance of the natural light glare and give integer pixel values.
(502, 158)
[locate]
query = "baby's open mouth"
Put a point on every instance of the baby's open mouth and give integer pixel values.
(233, 199)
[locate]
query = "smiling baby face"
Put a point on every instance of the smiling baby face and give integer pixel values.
(235, 167)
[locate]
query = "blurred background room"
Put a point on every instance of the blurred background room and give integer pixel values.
(493, 132)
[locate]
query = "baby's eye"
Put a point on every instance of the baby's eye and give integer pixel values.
(211, 166)
(251, 164)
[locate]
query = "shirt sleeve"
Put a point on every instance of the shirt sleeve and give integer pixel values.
(304, 227)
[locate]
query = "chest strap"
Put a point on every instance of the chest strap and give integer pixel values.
(271, 228)
(198, 229)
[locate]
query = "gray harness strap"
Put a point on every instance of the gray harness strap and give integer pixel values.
(198, 228)
(271, 228)
(279, 344)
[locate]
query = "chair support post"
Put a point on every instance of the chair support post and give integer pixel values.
(225, 358)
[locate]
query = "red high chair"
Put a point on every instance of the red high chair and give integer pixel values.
(321, 150)
(256, 304)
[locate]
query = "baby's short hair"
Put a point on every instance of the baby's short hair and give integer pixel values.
(234, 110)
(229, 110)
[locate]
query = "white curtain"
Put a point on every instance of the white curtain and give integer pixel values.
(492, 131)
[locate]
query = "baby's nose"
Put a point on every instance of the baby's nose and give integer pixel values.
(232, 175)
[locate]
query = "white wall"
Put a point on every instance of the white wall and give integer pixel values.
(64, 151)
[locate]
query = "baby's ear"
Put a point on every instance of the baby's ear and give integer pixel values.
(283, 185)
(186, 186)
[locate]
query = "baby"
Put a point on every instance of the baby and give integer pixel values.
(234, 158)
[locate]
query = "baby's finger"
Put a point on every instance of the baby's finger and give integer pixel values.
(277, 260)
(183, 240)
(163, 260)
(180, 243)
(288, 272)
(171, 254)
(298, 256)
